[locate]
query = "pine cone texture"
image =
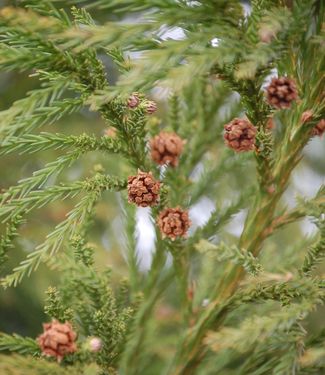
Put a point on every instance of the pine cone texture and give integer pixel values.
(173, 222)
(240, 135)
(57, 340)
(166, 148)
(143, 189)
(319, 129)
(281, 92)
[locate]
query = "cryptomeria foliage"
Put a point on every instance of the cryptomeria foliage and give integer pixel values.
(236, 309)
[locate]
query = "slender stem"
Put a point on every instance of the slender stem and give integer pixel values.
(153, 289)
(181, 264)
(132, 355)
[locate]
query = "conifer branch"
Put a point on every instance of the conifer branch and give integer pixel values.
(31, 143)
(21, 365)
(257, 329)
(6, 240)
(286, 292)
(316, 253)
(237, 256)
(35, 98)
(43, 115)
(18, 344)
(67, 228)
(55, 308)
(40, 177)
(257, 221)
(214, 71)
(312, 207)
(129, 214)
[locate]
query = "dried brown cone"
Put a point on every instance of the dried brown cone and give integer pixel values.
(173, 222)
(281, 92)
(319, 129)
(166, 148)
(57, 340)
(240, 135)
(143, 189)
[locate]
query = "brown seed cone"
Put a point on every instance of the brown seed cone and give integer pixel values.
(143, 189)
(281, 92)
(57, 340)
(173, 222)
(166, 148)
(240, 135)
(319, 129)
(134, 100)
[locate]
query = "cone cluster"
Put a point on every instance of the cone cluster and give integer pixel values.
(134, 101)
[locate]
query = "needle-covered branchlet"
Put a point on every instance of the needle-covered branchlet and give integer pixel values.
(166, 148)
(281, 92)
(240, 135)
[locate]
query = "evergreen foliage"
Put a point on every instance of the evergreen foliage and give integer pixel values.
(239, 306)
